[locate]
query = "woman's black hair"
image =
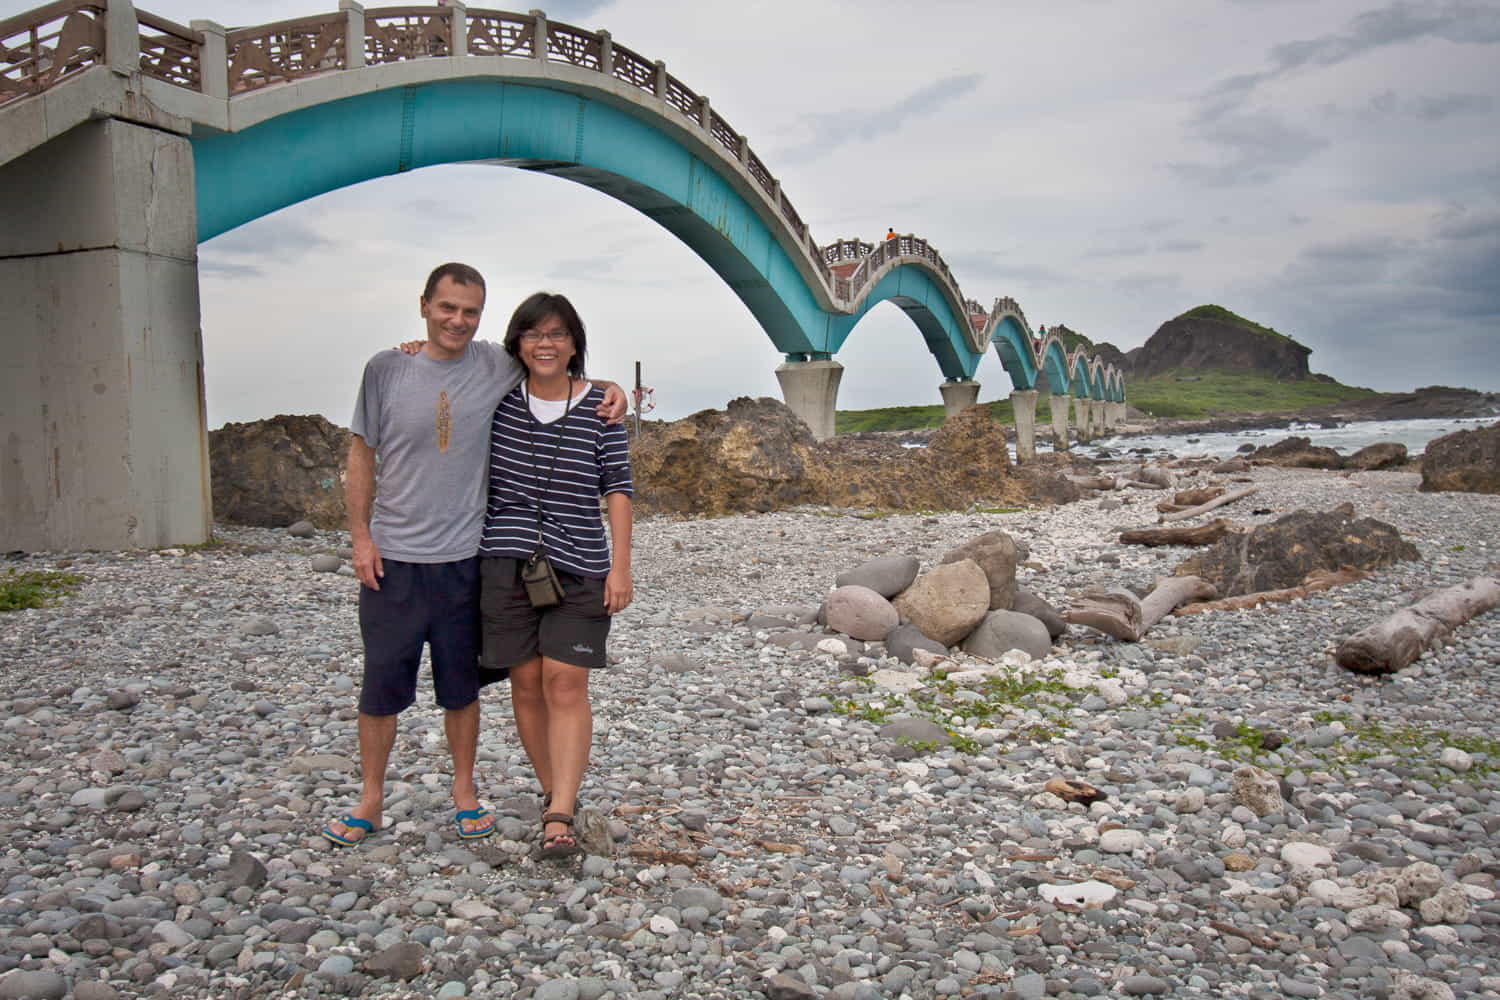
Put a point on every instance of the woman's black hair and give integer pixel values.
(534, 311)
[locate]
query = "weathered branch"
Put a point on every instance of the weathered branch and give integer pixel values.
(1093, 482)
(1121, 614)
(1317, 580)
(1202, 534)
(1184, 499)
(1204, 508)
(1398, 640)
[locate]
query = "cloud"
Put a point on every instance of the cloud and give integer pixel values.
(273, 236)
(1438, 108)
(572, 11)
(224, 269)
(829, 130)
(1256, 147)
(1125, 251)
(1180, 246)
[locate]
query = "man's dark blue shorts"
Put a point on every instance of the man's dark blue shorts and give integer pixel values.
(433, 603)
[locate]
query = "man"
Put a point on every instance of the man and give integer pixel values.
(423, 420)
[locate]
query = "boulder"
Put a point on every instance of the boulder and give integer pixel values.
(860, 613)
(1002, 631)
(757, 455)
(887, 576)
(948, 602)
(1298, 453)
(1029, 604)
(905, 640)
(1280, 555)
(998, 555)
(274, 472)
(1380, 455)
(1463, 462)
(1257, 790)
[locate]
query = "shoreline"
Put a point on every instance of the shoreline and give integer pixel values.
(168, 762)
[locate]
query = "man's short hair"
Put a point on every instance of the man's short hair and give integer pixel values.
(462, 274)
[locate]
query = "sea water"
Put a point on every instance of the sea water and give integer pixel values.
(1347, 439)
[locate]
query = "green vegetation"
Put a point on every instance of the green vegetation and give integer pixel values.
(906, 418)
(1225, 316)
(34, 588)
(1221, 392)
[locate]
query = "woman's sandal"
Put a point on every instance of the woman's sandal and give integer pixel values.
(558, 845)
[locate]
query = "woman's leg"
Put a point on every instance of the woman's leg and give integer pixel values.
(530, 707)
(570, 734)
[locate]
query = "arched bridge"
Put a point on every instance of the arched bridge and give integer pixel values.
(126, 139)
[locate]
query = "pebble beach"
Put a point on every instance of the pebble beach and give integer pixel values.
(776, 811)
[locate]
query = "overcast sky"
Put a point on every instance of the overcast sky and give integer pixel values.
(1329, 168)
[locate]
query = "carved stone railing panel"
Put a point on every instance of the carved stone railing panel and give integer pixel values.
(174, 54)
(396, 33)
(284, 51)
(723, 134)
(496, 33)
(681, 98)
(763, 177)
(574, 46)
(43, 46)
(634, 69)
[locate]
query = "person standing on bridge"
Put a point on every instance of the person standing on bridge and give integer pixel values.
(552, 459)
(415, 490)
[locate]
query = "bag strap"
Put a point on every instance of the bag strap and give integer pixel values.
(531, 425)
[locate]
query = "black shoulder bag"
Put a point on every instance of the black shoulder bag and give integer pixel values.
(543, 588)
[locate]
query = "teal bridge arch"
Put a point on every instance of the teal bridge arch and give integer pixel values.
(200, 128)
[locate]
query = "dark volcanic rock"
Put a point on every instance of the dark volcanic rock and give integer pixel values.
(1298, 453)
(1464, 462)
(273, 472)
(1203, 342)
(1381, 455)
(1281, 554)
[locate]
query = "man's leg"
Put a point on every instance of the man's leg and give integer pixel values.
(462, 728)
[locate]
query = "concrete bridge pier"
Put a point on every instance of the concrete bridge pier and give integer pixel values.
(811, 390)
(1023, 402)
(1099, 410)
(958, 396)
(1059, 404)
(1081, 417)
(102, 437)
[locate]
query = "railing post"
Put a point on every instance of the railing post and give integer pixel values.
(122, 38)
(661, 80)
(214, 60)
(742, 151)
(705, 114)
(458, 27)
(354, 33)
(606, 53)
(539, 35)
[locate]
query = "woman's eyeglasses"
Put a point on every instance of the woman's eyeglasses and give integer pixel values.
(549, 336)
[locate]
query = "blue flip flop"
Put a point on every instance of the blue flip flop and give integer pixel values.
(349, 820)
(473, 815)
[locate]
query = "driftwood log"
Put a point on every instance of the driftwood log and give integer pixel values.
(1204, 508)
(1183, 499)
(1126, 617)
(1398, 640)
(1202, 534)
(1317, 580)
(1093, 482)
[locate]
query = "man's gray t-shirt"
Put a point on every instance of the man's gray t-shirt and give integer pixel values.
(428, 422)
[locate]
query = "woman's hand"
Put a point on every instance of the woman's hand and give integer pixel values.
(411, 347)
(619, 591)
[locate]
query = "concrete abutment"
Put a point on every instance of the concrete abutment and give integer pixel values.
(103, 443)
(958, 397)
(1023, 403)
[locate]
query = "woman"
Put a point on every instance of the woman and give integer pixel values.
(551, 459)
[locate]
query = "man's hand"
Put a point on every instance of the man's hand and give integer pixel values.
(612, 409)
(410, 347)
(367, 564)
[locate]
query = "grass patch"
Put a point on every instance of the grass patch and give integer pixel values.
(1225, 316)
(1228, 392)
(909, 418)
(34, 588)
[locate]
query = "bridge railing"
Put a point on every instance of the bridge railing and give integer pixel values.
(42, 47)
